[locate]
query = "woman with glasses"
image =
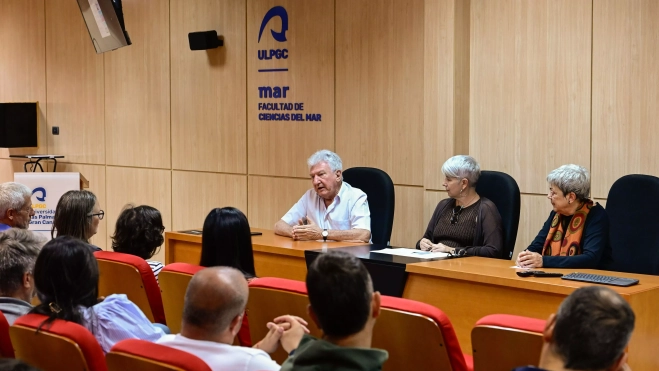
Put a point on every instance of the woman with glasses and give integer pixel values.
(139, 232)
(77, 215)
(464, 223)
(576, 233)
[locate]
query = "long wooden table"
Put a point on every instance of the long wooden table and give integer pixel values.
(274, 256)
(468, 289)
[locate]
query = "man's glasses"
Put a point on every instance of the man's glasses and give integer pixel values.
(456, 212)
(100, 215)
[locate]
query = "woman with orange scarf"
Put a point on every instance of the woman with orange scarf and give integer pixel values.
(576, 234)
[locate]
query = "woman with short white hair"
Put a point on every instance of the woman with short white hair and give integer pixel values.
(576, 233)
(464, 223)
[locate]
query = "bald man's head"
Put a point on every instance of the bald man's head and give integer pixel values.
(215, 296)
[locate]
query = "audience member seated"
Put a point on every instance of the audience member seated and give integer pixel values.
(589, 333)
(139, 232)
(332, 210)
(66, 279)
(77, 215)
(212, 316)
(226, 240)
(19, 249)
(464, 223)
(15, 206)
(576, 234)
(344, 306)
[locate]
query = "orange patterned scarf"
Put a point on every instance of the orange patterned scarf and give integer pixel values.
(560, 243)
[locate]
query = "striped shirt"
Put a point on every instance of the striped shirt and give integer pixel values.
(156, 267)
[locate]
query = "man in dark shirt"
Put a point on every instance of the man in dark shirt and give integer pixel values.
(345, 307)
(590, 332)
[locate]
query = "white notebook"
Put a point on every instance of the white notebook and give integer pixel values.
(413, 253)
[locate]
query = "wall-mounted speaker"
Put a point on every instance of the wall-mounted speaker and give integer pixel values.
(204, 40)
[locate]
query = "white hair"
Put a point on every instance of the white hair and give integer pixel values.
(19, 249)
(571, 178)
(462, 166)
(324, 155)
(12, 196)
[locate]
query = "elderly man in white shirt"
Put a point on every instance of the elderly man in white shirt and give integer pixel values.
(331, 210)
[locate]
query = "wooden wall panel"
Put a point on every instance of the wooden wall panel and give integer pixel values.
(95, 174)
(281, 147)
(446, 85)
(23, 61)
(530, 87)
(209, 124)
(8, 168)
(137, 89)
(74, 82)
(625, 91)
(194, 195)
(137, 186)
(270, 198)
(534, 212)
(379, 86)
(408, 216)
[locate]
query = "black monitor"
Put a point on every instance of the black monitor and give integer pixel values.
(105, 23)
(19, 123)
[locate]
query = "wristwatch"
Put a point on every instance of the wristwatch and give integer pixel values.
(325, 234)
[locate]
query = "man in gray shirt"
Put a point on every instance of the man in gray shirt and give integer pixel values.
(18, 252)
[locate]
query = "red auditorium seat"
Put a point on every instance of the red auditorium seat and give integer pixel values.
(134, 354)
(131, 275)
(502, 342)
(418, 336)
(174, 279)
(58, 346)
(6, 350)
(271, 297)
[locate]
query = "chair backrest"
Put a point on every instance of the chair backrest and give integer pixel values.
(272, 297)
(633, 232)
(131, 275)
(174, 279)
(135, 354)
(417, 336)
(502, 342)
(381, 199)
(6, 349)
(58, 346)
(503, 191)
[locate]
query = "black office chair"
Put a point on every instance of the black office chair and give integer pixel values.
(381, 199)
(503, 190)
(632, 206)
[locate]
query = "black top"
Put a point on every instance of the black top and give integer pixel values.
(487, 234)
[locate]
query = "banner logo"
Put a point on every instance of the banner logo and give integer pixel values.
(277, 11)
(42, 190)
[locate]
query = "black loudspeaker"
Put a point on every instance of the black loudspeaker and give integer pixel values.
(204, 40)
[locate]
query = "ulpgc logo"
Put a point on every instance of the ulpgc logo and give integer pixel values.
(40, 193)
(277, 11)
